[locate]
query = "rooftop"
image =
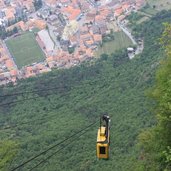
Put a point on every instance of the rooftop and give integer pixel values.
(45, 38)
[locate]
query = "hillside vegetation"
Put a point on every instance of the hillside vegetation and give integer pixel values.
(159, 4)
(113, 84)
(120, 41)
(155, 143)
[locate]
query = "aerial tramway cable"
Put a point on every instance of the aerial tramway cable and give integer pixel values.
(50, 156)
(32, 98)
(45, 151)
(34, 91)
(41, 90)
(5, 127)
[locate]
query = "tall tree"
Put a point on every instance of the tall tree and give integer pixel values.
(156, 142)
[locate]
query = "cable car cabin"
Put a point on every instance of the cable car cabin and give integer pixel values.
(103, 141)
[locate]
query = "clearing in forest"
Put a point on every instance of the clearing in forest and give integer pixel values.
(121, 40)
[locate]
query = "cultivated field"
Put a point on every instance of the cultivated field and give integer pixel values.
(143, 19)
(25, 49)
(160, 4)
(121, 41)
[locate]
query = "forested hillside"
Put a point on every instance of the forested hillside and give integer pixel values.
(155, 142)
(113, 85)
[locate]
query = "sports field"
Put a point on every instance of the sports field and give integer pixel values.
(121, 41)
(25, 49)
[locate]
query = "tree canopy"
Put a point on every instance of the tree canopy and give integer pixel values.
(156, 142)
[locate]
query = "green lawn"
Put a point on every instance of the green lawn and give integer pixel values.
(149, 11)
(25, 49)
(121, 41)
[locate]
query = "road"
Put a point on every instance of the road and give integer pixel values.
(139, 48)
(127, 32)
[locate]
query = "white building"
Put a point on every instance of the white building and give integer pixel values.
(46, 40)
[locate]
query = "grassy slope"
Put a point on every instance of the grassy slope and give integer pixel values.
(160, 4)
(99, 88)
(153, 7)
(121, 41)
(25, 49)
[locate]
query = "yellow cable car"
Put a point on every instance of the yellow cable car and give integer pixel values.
(103, 139)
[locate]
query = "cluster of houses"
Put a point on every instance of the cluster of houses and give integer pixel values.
(8, 69)
(33, 70)
(81, 25)
(77, 24)
(75, 30)
(14, 10)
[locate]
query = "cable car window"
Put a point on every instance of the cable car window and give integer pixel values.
(102, 150)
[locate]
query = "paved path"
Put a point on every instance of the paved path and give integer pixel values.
(139, 48)
(127, 32)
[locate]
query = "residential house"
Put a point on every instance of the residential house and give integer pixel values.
(51, 3)
(28, 4)
(84, 6)
(94, 29)
(20, 25)
(65, 2)
(38, 23)
(2, 4)
(10, 14)
(89, 43)
(119, 11)
(97, 39)
(47, 42)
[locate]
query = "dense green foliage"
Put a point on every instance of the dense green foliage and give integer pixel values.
(159, 4)
(149, 9)
(113, 84)
(156, 142)
(109, 37)
(134, 17)
(156, 28)
(7, 152)
(4, 34)
(71, 50)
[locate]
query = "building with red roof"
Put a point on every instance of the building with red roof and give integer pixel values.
(118, 12)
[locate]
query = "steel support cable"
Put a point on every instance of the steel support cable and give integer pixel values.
(42, 90)
(34, 91)
(45, 151)
(4, 127)
(18, 101)
(21, 93)
(46, 159)
(23, 123)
